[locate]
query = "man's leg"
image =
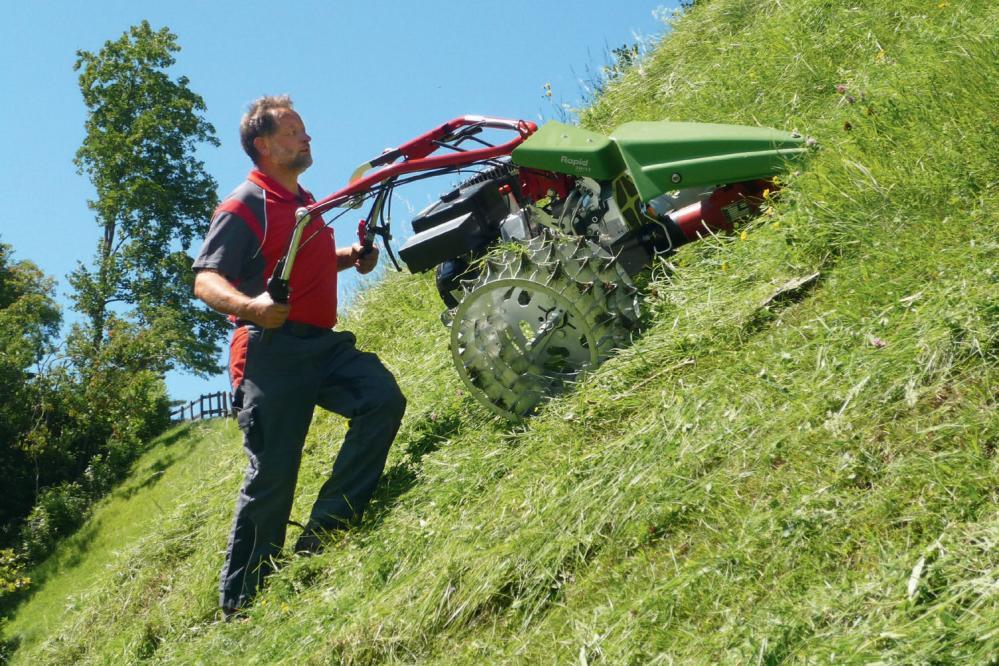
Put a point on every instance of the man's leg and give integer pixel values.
(275, 420)
(358, 387)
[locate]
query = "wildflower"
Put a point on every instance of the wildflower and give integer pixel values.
(548, 89)
(743, 236)
(880, 55)
(841, 89)
(877, 342)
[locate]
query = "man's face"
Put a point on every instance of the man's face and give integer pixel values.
(288, 147)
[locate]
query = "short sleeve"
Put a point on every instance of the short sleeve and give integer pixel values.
(228, 247)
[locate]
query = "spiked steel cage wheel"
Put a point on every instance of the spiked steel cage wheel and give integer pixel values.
(538, 317)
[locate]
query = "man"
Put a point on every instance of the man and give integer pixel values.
(278, 380)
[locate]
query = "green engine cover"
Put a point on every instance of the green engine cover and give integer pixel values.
(663, 156)
(572, 150)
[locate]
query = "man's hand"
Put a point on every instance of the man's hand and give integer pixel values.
(367, 263)
(216, 291)
(264, 312)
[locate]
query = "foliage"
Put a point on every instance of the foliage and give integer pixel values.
(153, 199)
(12, 578)
(70, 429)
(59, 510)
(29, 321)
(808, 479)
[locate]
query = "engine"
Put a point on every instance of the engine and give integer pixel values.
(511, 204)
(451, 233)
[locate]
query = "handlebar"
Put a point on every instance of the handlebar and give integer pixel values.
(416, 155)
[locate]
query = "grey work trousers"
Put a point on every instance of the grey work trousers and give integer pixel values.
(285, 378)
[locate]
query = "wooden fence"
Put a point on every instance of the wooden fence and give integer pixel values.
(207, 406)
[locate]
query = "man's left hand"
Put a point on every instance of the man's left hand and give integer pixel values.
(367, 263)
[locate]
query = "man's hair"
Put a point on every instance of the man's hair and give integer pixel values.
(260, 119)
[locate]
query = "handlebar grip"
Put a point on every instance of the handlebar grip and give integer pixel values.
(280, 293)
(362, 237)
(278, 289)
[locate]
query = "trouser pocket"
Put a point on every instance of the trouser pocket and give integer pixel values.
(249, 422)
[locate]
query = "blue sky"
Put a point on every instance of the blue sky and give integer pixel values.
(364, 76)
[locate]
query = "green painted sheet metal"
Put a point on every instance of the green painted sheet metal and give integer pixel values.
(572, 150)
(663, 156)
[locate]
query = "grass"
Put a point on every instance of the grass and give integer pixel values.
(769, 474)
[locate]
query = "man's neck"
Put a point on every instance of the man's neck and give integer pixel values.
(287, 179)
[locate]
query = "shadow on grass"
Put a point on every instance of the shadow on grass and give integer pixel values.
(74, 547)
(8, 646)
(155, 471)
(426, 436)
(68, 555)
(178, 434)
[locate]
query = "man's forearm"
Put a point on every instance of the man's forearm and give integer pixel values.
(345, 258)
(219, 294)
(350, 257)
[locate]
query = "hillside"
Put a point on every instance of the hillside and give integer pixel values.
(765, 475)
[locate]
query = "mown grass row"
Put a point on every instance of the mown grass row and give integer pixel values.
(796, 460)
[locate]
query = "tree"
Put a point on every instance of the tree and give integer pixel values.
(153, 199)
(29, 321)
(66, 433)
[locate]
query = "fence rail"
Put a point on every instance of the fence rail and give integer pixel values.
(206, 406)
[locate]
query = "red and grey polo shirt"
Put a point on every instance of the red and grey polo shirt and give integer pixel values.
(250, 232)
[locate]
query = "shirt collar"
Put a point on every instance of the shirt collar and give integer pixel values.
(277, 189)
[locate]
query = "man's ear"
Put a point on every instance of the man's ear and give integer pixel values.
(260, 143)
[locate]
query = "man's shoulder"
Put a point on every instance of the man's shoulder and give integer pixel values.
(247, 191)
(248, 202)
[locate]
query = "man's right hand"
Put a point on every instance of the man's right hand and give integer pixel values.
(216, 291)
(264, 312)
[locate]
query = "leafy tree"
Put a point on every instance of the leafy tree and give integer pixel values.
(153, 199)
(29, 322)
(66, 434)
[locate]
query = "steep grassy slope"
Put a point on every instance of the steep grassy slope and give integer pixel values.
(769, 473)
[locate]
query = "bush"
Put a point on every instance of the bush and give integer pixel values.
(12, 578)
(99, 476)
(59, 511)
